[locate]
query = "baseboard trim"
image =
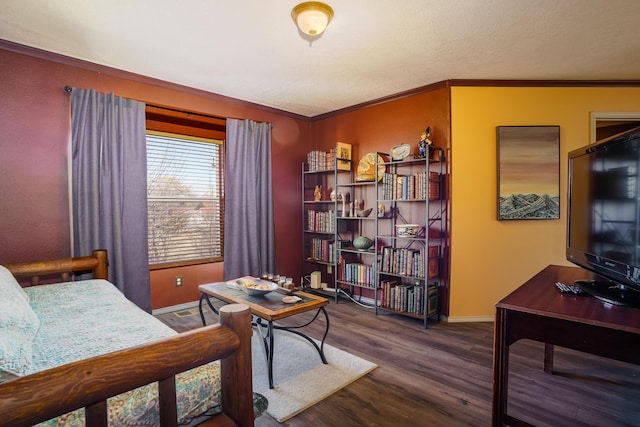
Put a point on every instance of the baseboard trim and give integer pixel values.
(171, 309)
(469, 319)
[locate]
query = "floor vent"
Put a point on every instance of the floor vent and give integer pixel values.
(186, 313)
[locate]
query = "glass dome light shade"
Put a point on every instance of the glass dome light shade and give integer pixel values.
(312, 17)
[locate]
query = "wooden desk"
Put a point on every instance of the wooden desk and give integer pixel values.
(270, 307)
(538, 311)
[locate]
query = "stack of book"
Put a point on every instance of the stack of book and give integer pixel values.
(338, 157)
(356, 273)
(404, 261)
(320, 160)
(401, 297)
(322, 250)
(321, 221)
(408, 261)
(419, 186)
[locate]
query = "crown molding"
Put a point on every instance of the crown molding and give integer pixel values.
(384, 100)
(546, 83)
(139, 78)
(89, 66)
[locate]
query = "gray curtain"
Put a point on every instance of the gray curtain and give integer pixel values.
(109, 187)
(249, 243)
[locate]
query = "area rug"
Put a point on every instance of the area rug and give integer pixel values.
(300, 378)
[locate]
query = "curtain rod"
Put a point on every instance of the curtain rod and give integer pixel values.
(68, 89)
(176, 110)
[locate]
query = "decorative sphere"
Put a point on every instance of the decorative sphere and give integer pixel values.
(362, 243)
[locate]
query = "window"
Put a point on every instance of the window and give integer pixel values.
(185, 194)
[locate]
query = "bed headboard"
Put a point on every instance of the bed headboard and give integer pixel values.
(97, 263)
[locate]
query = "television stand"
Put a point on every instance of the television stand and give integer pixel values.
(538, 312)
(610, 292)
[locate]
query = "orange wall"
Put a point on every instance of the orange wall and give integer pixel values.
(35, 132)
(491, 258)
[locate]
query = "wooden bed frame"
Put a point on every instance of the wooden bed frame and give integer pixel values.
(88, 383)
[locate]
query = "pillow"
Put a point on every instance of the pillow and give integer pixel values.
(18, 327)
(7, 278)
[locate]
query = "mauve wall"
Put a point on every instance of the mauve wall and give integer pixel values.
(34, 137)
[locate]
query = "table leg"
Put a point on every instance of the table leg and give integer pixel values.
(500, 369)
(205, 297)
(268, 340)
(270, 356)
(548, 358)
(320, 348)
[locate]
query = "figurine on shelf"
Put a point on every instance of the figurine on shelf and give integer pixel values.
(381, 210)
(317, 193)
(335, 196)
(425, 141)
(344, 204)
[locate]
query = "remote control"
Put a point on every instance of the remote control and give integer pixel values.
(569, 289)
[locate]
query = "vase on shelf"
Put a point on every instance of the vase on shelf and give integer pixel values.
(362, 243)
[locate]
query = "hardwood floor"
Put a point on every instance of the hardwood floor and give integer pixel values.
(442, 376)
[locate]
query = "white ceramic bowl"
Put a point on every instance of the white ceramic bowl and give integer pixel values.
(256, 286)
(407, 230)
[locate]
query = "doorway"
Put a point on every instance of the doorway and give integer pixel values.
(605, 124)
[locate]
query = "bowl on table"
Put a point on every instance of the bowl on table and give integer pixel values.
(256, 286)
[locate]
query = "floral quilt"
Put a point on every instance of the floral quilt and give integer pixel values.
(92, 317)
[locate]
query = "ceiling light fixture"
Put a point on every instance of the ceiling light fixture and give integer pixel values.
(312, 17)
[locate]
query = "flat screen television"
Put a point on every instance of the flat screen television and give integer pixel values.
(603, 221)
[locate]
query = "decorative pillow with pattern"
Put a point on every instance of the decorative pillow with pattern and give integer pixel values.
(18, 326)
(7, 277)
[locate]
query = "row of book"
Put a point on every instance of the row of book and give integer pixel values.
(401, 297)
(356, 273)
(338, 157)
(322, 250)
(409, 261)
(419, 186)
(321, 221)
(320, 160)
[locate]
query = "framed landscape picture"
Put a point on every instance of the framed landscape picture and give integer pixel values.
(528, 172)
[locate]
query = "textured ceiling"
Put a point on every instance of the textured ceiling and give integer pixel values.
(251, 50)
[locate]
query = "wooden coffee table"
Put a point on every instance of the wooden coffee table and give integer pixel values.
(269, 308)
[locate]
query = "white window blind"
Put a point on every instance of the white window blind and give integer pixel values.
(185, 191)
